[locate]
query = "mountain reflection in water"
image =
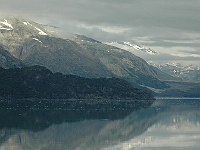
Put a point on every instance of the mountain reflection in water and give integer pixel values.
(168, 124)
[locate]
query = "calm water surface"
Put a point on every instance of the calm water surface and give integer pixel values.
(170, 124)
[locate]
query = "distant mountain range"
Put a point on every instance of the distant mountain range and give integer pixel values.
(168, 71)
(186, 73)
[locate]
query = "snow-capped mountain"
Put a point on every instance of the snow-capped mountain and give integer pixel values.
(129, 45)
(188, 73)
(33, 44)
(13, 32)
(24, 42)
(12, 24)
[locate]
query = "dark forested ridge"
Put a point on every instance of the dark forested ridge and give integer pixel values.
(39, 82)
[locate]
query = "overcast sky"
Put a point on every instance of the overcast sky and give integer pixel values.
(170, 27)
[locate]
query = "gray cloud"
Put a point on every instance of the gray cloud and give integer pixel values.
(154, 23)
(181, 14)
(169, 44)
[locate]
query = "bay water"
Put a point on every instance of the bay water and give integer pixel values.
(169, 124)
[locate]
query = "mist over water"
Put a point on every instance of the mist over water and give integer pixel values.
(168, 124)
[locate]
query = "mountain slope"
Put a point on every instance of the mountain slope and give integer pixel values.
(164, 76)
(181, 89)
(121, 63)
(7, 60)
(34, 45)
(60, 55)
(13, 33)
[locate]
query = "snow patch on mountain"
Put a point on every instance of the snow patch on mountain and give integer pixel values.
(25, 23)
(134, 46)
(152, 63)
(40, 31)
(139, 47)
(5, 22)
(2, 28)
(5, 25)
(37, 40)
(29, 24)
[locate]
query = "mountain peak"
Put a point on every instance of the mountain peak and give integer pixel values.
(14, 32)
(16, 25)
(5, 25)
(85, 38)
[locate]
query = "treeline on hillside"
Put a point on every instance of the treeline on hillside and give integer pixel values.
(39, 82)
